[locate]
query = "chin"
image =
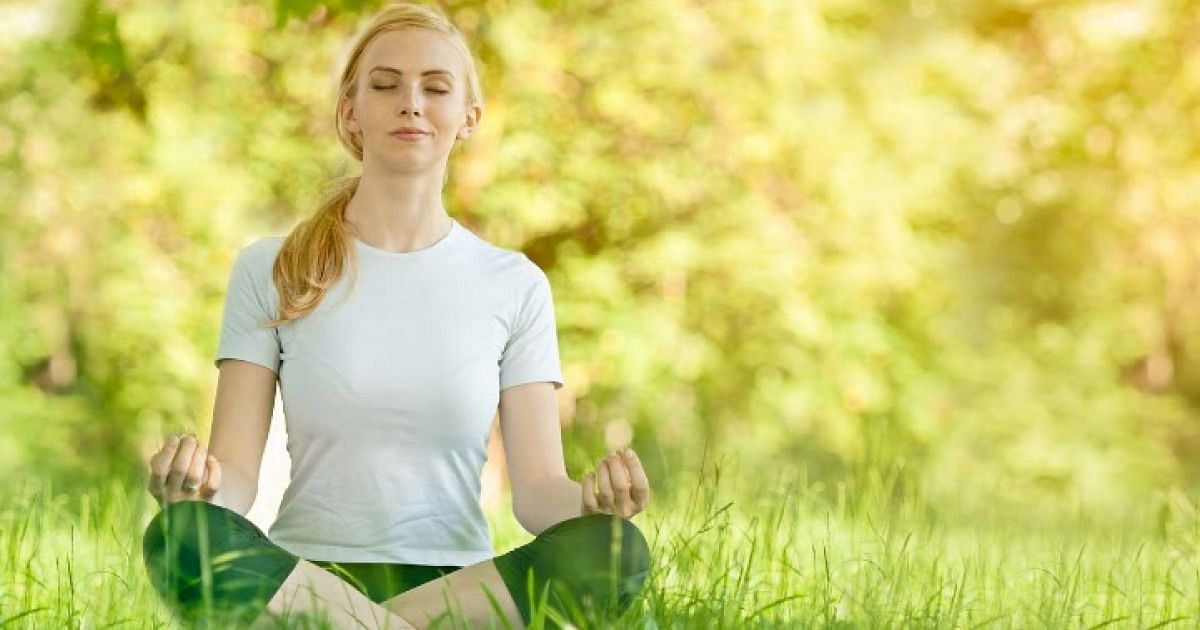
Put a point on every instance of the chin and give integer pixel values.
(406, 164)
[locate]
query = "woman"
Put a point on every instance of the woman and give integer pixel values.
(390, 375)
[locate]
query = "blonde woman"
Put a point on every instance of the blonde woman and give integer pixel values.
(394, 333)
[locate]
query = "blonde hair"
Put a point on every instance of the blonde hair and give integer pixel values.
(317, 251)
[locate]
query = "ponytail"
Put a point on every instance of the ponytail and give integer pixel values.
(314, 255)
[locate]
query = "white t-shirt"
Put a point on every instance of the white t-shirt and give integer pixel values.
(389, 388)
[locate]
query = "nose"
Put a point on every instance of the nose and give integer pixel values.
(410, 103)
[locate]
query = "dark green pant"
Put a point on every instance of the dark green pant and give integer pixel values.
(211, 564)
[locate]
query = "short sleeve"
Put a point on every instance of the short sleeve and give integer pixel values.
(531, 353)
(248, 309)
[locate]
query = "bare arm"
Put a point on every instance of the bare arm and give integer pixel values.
(241, 419)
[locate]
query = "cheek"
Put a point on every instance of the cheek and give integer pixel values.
(448, 117)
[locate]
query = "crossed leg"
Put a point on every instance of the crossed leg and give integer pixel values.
(310, 588)
(597, 560)
(593, 560)
(197, 553)
(466, 590)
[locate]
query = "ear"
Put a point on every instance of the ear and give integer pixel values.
(348, 115)
(474, 113)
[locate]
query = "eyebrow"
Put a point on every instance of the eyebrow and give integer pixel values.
(426, 73)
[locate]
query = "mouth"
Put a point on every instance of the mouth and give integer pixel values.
(409, 135)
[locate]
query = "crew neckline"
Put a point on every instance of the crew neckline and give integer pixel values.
(438, 245)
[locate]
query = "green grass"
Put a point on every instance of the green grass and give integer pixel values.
(783, 552)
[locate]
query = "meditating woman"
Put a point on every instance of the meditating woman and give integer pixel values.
(394, 333)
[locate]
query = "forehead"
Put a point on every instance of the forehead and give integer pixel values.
(412, 51)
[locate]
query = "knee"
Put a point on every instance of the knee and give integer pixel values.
(170, 551)
(614, 543)
(182, 530)
(171, 536)
(618, 535)
(173, 547)
(635, 551)
(187, 549)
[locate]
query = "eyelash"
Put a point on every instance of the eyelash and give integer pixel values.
(388, 87)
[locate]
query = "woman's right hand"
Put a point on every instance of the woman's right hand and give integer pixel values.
(182, 470)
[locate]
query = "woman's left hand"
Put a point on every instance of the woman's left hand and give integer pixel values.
(623, 487)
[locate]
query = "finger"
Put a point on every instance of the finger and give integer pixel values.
(620, 483)
(606, 492)
(590, 505)
(195, 473)
(181, 463)
(160, 464)
(213, 482)
(639, 484)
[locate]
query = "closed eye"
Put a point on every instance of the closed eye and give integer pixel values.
(388, 87)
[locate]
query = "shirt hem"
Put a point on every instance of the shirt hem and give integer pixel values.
(267, 363)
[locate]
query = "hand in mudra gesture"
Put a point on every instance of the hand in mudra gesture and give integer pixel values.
(182, 470)
(623, 488)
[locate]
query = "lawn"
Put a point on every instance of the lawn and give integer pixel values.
(728, 553)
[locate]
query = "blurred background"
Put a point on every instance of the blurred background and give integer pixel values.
(954, 240)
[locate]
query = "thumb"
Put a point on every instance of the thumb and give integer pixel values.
(213, 479)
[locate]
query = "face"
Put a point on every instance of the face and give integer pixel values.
(410, 78)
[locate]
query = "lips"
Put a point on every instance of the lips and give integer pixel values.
(408, 131)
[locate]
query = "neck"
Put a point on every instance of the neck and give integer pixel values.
(397, 213)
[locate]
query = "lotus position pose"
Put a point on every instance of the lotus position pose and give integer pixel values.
(394, 333)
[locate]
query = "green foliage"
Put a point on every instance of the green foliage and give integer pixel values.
(952, 238)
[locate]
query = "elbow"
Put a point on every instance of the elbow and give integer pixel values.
(237, 492)
(522, 520)
(526, 522)
(231, 501)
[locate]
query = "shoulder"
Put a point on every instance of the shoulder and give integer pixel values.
(510, 264)
(262, 247)
(259, 253)
(254, 262)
